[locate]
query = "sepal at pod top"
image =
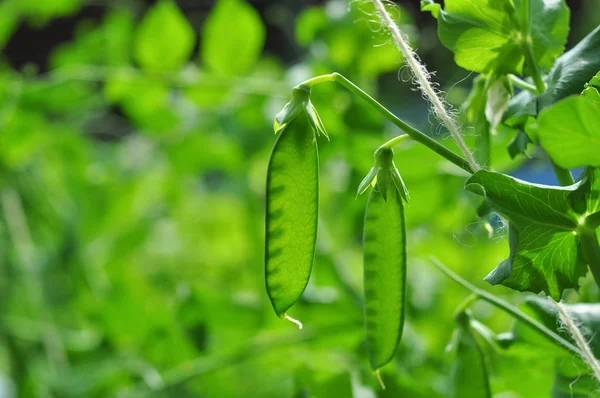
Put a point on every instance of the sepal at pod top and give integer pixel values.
(382, 173)
(300, 105)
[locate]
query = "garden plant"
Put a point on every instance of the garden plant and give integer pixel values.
(138, 166)
(512, 45)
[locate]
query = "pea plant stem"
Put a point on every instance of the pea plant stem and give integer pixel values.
(409, 130)
(529, 56)
(563, 176)
(522, 84)
(508, 308)
(395, 141)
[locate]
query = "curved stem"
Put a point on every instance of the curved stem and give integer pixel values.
(395, 141)
(509, 308)
(408, 129)
(462, 307)
(522, 84)
(318, 79)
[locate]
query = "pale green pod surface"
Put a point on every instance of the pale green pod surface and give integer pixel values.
(384, 242)
(291, 214)
(468, 374)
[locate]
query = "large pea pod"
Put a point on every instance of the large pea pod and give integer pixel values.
(291, 214)
(468, 374)
(384, 242)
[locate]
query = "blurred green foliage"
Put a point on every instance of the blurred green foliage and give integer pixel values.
(132, 180)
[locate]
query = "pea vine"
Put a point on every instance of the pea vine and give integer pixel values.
(552, 230)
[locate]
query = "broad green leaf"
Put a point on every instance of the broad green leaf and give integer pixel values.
(491, 35)
(542, 233)
(232, 37)
(291, 214)
(569, 75)
(569, 131)
(164, 40)
(468, 374)
(384, 245)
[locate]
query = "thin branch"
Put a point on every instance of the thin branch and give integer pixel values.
(408, 129)
(509, 308)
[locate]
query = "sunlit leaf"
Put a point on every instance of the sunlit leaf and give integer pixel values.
(490, 36)
(164, 40)
(232, 37)
(543, 241)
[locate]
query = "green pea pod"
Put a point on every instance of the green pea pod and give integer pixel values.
(468, 374)
(291, 214)
(384, 244)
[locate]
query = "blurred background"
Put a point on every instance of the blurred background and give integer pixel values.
(134, 140)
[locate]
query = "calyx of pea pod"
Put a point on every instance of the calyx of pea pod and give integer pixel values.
(383, 172)
(300, 106)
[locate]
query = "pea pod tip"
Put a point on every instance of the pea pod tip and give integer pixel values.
(297, 322)
(379, 379)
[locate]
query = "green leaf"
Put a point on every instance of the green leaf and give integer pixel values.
(569, 131)
(518, 146)
(468, 374)
(384, 245)
(569, 75)
(542, 234)
(164, 40)
(592, 88)
(232, 38)
(491, 35)
(291, 214)
(309, 23)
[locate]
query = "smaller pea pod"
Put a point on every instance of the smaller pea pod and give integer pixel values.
(468, 374)
(292, 202)
(384, 245)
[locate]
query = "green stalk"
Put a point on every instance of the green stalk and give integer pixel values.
(394, 141)
(508, 308)
(522, 84)
(526, 41)
(563, 176)
(411, 131)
